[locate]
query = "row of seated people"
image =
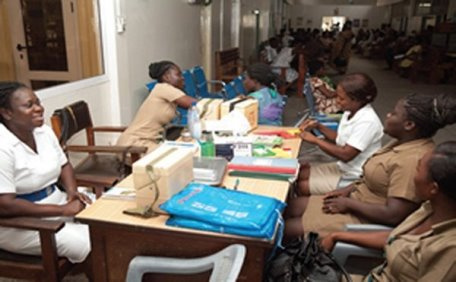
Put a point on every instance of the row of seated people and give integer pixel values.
(411, 56)
(369, 184)
(413, 122)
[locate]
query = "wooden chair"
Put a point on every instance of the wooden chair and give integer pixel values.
(48, 267)
(428, 68)
(104, 165)
(228, 64)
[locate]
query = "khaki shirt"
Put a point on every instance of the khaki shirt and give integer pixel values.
(430, 256)
(390, 172)
(155, 112)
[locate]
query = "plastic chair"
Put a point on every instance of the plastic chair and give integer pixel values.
(356, 259)
(151, 85)
(201, 84)
(226, 265)
(230, 90)
(239, 85)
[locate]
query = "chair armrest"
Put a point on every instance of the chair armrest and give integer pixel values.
(342, 251)
(107, 149)
(32, 223)
(366, 227)
(217, 82)
(109, 128)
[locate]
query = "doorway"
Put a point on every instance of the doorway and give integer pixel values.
(331, 23)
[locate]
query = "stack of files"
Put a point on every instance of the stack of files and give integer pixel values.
(265, 168)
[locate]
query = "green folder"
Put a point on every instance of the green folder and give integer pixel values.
(260, 175)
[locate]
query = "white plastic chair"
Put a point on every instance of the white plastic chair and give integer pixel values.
(370, 257)
(226, 265)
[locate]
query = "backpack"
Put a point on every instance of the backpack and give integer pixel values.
(304, 260)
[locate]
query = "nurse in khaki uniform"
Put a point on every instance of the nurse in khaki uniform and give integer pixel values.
(386, 193)
(423, 247)
(159, 109)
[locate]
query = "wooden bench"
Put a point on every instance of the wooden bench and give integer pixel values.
(228, 64)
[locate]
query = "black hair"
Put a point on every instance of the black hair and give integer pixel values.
(360, 87)
(158, 69)
(314, 66)
(430, 113)
(442, 167)
(263, 74)
(7, 88)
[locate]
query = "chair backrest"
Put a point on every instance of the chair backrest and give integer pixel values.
(70, 120)
(239, 85)
(200, 80)
(226, 265)
(308, 93)
(189, 84)
(230, 90)
(150, 86)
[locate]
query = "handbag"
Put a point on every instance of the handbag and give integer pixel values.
(304, 260)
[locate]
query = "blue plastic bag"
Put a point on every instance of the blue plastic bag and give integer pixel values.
(204, 207)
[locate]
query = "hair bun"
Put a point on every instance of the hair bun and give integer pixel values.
(158, 69)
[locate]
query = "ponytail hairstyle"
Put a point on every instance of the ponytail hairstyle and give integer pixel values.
(430, 113)
(158, 69)
(359, 87)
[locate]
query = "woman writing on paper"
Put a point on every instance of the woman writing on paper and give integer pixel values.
(159, 109)
(32, 162)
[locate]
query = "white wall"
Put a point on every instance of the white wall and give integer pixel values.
(156, 30)
(314, 14)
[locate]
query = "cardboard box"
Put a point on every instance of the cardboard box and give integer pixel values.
(248, 107)
(168, 169)
(209, 109)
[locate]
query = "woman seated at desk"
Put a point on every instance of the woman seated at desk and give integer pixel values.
(423, 246)
(159, 109)
(32, 162)
(357, 138)
(260, 81)
(386, 193)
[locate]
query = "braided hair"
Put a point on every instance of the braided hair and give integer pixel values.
(430, 113)
(7, 88)
(442, 167)
(359, 87)
(263, 74)
(158, 69)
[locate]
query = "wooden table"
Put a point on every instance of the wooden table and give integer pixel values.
(117, 238)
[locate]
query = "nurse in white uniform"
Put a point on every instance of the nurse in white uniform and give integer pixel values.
(31, 164)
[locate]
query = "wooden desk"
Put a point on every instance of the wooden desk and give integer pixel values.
(117, 238)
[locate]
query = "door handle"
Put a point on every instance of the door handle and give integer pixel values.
(20, 47)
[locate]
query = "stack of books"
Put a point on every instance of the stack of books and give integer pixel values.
(265, 168)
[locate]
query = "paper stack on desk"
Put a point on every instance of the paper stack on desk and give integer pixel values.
(267, 168)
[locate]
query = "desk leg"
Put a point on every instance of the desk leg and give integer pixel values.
(99, 258)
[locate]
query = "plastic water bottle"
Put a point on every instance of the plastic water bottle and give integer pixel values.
(194, 122)
(207, 145)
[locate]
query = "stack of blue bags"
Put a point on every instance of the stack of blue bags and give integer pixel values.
(203, 207)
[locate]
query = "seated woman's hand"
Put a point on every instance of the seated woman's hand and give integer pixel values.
(78, 196)
(328, 242)
(308, 137)
(335, 205)
(308, 124)
(72, 208)
(342, 192)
